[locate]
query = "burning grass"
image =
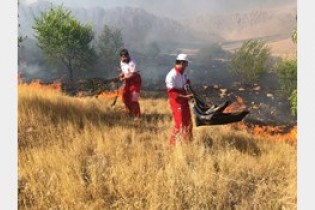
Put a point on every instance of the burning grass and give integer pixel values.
(286, 134)
(81, 153)
(39, 85)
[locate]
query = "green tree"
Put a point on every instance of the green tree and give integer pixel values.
(293, 102)
(250, 61)
(110, 43)
(293, 96)
(287, 76)
(65, 40)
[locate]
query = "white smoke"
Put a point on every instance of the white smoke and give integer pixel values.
(28, 2)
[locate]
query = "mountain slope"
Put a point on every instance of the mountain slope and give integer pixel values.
(138, 26)
(238, 26)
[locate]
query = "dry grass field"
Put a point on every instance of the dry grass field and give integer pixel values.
(81, 153)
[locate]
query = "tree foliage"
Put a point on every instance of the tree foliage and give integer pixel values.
(293, 96)
(64, 39)
(293, 102)
(250, 61)
(110, 42)
(294, 36)
(287, 76)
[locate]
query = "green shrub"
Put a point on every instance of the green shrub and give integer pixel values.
(293, 102)
(250, 61)
(287, 76)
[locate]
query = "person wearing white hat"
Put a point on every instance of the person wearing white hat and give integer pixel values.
(175, 81)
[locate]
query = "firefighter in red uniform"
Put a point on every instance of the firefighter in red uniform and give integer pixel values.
(175, 81)
(131, 84)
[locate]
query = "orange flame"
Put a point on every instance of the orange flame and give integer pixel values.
(110, 94)
(272, 133)
(39, 85)
(291, 136)
(56, 85)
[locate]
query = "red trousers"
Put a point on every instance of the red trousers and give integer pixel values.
(130, 96)
(183, 123)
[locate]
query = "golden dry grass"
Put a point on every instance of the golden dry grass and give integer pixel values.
(79, 153)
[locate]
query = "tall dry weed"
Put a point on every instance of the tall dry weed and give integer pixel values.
(79, 153)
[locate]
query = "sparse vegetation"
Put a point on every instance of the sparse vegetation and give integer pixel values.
(250, 61)
(78, 153)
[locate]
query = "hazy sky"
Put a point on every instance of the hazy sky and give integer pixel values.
(177, 9)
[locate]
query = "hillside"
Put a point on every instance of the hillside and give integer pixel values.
(138, 26)
(273, 22)
(284, 48)
(79, 153)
